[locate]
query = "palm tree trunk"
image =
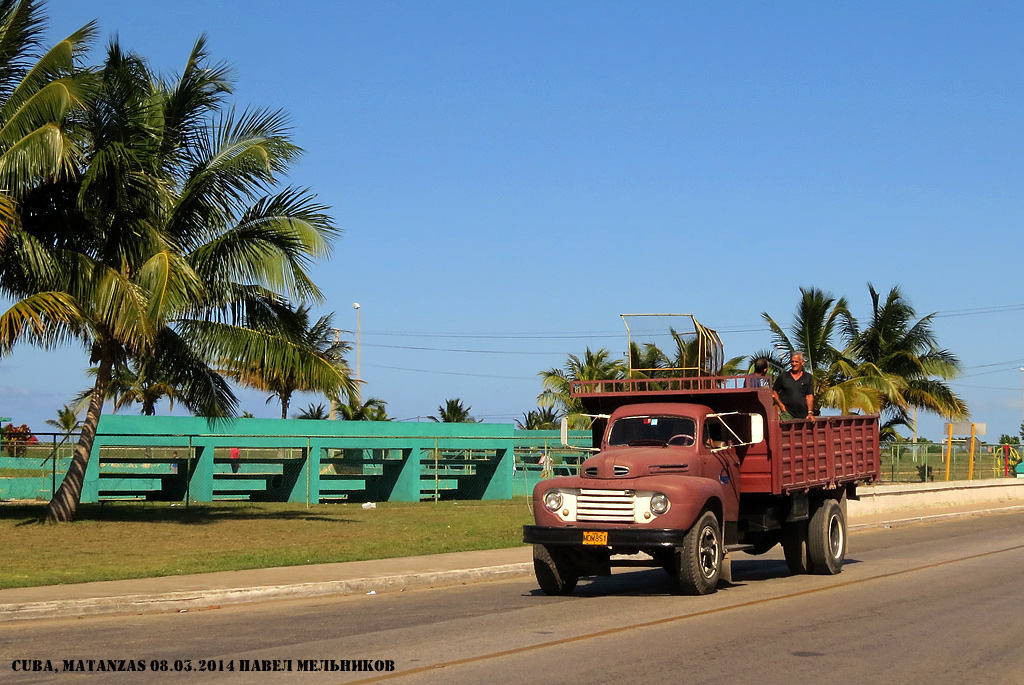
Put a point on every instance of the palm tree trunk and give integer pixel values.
(64, 505)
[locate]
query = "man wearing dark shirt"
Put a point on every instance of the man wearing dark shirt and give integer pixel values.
(793, 391)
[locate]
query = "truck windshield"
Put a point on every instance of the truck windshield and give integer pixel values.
(653, 430)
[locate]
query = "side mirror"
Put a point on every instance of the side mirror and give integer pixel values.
(756, 428)
(564, 427)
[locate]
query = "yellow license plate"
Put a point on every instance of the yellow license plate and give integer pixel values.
(595, 538)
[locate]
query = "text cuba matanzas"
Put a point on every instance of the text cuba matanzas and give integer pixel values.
(202, 665)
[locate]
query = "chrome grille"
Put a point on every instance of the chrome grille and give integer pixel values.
(605, 506)
(590, 471)
(620, 470)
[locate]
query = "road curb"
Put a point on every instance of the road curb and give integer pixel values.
(211, 599)
(893, 523)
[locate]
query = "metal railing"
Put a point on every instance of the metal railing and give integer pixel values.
(367, 467)
(930, 461)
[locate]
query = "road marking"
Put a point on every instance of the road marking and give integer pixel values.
(670, 619)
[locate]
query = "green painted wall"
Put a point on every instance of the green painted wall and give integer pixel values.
(298, 461)
(179, 458)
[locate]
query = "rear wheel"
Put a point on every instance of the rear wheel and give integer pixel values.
(826, 539)
(555, 573)
(700, 558)
(794, 546)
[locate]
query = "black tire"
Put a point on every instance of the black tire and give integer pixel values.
(555, 574)
(826, 539)
(794, 546)
(700, 558)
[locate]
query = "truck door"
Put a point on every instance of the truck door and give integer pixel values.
(723, 464)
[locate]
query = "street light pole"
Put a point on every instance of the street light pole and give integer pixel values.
(1022, 404)
(359, 333)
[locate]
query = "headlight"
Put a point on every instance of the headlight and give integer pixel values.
(659, 504)
(552, 500)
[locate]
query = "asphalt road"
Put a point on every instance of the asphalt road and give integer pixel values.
(925, 603)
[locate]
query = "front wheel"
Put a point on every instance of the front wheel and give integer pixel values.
(826, 539)
(700, 558)
(556, 575)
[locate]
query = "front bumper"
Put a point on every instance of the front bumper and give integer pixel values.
(617, 537)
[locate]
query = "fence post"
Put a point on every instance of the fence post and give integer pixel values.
(949, 449)
(970, 463)
(188, 474)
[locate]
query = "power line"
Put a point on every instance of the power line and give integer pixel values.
(1010, 362)
(983, 373)
(551, 335)
(500, 336)
(618, 335)
(446, 349)
(1000, 309)
(604, 334)
(450, 373)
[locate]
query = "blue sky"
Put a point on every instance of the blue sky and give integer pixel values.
(511, 177)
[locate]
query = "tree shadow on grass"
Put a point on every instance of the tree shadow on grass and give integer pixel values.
(150, 512)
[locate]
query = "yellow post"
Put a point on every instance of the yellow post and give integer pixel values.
(949, 448)
(970, 464)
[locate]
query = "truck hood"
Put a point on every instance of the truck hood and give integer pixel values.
(633, 462)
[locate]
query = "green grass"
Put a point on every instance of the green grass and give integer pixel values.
(114, 541)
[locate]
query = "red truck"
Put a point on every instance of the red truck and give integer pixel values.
(692, 468)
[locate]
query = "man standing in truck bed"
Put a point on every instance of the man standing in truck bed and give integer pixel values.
(793, 391)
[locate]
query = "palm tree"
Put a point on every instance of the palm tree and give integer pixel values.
(133, 382)
(539, 419)
(315, 340)
(67, 420)
(594, 366)
(67, 423)
(645, 360)
(170, 244)
(905, 353)
(452, 411)
(373, 409)
(314, 412)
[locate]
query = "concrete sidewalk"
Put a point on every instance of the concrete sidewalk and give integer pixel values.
(212, 590)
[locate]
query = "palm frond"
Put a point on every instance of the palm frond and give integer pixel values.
(44, 319)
